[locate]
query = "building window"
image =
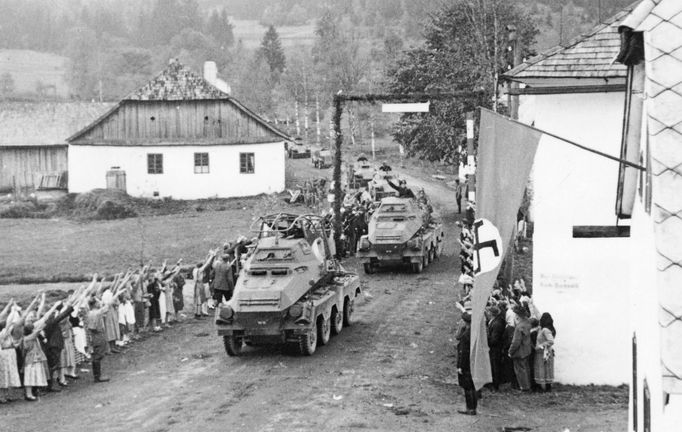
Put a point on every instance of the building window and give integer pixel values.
(154, 163)
(247, 163)
(599, 231)
(200, 163)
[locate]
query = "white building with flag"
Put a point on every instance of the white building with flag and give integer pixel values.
(580, 254)
(631, 280)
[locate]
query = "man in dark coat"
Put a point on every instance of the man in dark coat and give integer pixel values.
(223, 282)
(520, 348)
(496, 327)
(464, 367)
(55, 344)
(458, 195)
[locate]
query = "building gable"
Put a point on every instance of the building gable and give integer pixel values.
(178, 107)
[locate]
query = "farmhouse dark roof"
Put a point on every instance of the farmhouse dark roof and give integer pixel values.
(45, 123)
(591, 55)
(177, 82)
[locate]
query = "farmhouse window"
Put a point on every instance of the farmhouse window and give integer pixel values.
(200, 163)
(154, 163)
(247, 163)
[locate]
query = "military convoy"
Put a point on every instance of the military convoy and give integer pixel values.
(401, 232)
(291, 290)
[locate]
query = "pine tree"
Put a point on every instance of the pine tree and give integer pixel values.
(272, 52)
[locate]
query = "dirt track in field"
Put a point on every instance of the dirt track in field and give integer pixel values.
(393, 370)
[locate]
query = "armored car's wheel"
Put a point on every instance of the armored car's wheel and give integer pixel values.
(307, 343)
(369, 268)
(418, 267)
(324, 328)
(337, 321)
(348, 306)
(432, 255)
(233, 345)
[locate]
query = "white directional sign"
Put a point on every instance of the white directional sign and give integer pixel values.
(487, 246)
(405, 107)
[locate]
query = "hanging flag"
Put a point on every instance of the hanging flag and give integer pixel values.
(506, 150)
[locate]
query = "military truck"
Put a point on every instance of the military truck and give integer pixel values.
(322, 158)
(401, 231)
(291, 289)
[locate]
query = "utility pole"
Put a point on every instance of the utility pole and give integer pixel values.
(515, 50)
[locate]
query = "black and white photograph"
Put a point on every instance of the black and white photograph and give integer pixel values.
(341, 215)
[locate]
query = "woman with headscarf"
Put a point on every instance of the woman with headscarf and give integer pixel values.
(544, 353)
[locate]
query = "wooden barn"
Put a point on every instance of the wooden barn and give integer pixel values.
(178, 136)
(33, 144)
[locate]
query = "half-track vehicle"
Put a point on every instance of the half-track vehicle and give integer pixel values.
(291, 289)
(401, 232)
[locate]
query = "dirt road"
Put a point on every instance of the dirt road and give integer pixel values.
(391, 371)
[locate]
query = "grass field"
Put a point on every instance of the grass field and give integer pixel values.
(40, 250)
(251, 33)
(28, 68)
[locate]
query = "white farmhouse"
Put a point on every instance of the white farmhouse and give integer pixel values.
(580, 251)
(178, 136)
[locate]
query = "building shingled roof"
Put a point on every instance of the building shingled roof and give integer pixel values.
(587, 56)
(45, 123)
(177, 82)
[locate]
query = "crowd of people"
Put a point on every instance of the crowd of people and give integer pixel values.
(42, 348)
(520, 337)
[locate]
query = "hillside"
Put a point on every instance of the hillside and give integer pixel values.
(35, 73)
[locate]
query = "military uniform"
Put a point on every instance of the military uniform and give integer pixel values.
(98, 342)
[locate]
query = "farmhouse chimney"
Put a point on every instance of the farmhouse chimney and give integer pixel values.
(211, 75)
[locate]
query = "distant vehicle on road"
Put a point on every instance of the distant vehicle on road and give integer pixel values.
(297, 150)
(363, 172)
(379, 188)
(322, 158)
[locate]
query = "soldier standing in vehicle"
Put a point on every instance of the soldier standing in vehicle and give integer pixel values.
(401, 188)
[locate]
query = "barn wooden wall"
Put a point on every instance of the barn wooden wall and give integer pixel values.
(176, 120)
(25, 165)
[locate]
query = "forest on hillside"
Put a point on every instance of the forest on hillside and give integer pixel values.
(114, 46)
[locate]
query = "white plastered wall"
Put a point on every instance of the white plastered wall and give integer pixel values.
(88, 166)
(582, 282)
